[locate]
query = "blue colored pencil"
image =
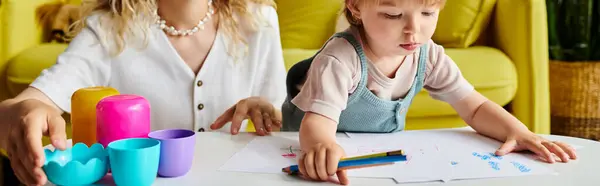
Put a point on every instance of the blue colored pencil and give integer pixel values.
(356, 163)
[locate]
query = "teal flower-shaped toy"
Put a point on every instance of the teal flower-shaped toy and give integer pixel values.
(78, 165)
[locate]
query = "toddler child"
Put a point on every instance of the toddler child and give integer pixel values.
(365, 78)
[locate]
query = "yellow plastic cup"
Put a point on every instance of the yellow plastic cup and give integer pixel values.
(83, 112)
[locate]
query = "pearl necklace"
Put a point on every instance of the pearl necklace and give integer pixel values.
(200, 26)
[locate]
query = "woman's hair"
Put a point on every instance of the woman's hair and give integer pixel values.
(354, 21)
(121, 19)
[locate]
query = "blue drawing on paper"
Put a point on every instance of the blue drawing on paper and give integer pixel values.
(482, 156)
(453, 162)
(494, 165)
(489, 157)
(521, 167)
(495, 156)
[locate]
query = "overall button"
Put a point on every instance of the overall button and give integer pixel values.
(200, 106)
(199, 83)
(201, 130)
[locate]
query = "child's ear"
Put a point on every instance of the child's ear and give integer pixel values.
(352, 6)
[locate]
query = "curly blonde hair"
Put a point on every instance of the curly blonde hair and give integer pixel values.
(355, 21)
(121, 18)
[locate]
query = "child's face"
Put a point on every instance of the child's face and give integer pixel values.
(398, 27)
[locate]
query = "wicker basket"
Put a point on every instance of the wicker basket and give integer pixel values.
(575, 99)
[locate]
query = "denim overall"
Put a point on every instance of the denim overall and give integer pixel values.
(365, 112)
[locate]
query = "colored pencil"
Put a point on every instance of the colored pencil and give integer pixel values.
(356, 163)
(390, 153)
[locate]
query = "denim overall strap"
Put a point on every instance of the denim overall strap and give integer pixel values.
(362, 84)
(417, 85)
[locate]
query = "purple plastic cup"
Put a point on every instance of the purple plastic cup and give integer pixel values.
(176, 151)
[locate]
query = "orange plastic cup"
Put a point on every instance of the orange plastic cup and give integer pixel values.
(83, 112)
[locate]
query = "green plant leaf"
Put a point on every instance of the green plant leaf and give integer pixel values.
(570, 26)
(552, 8)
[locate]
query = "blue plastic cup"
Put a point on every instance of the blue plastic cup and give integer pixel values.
(134, 161)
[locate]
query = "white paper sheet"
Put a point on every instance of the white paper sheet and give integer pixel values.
(422, 157)
(471, 155)
(266, 154)
(432, 155)
(269, 154)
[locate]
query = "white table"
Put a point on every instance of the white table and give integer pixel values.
(213, 149)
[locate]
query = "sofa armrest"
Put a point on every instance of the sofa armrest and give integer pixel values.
(18, 31)
(521, 32)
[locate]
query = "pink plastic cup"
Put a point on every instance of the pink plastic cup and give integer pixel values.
(122, 116)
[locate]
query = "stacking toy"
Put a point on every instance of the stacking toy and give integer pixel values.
(122, 116)
(78, 165)
(134, 161)
(176, 151)
(83, 112)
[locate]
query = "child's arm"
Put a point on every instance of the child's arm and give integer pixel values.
(322, 153)
(316, 128)
(487, 117)
(445, 82)
(330, 79)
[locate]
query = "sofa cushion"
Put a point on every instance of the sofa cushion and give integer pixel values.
(461, 22)
(496, 78)
(306, 24)
(27, 65)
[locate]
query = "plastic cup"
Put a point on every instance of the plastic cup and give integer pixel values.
(134, 161)
(83, 112)
(122, 116)
(176, 151)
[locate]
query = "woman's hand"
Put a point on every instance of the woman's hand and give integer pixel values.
(320, 162)
(28, 120)
(544, 148)
(265, 117)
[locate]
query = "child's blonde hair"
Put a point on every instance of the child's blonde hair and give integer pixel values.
(354, 21)
(125, 18)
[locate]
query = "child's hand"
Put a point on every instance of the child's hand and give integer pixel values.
(320, 162)
(541, 146)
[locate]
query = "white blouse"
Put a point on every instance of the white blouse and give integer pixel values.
(160, 75)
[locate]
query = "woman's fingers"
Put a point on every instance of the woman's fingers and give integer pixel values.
(241, 112)
(273, 114)
(268, 122)
(258, 120)
(22, 172)
(276, 118)
(223, 119)
(261, 112)
(57, 132)
(32, 140)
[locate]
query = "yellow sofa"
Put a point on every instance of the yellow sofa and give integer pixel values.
(500, 46)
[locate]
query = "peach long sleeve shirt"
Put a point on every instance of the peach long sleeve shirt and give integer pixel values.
(335, 74)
